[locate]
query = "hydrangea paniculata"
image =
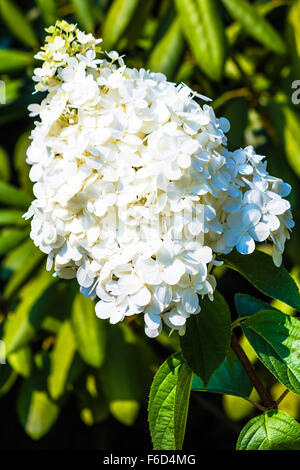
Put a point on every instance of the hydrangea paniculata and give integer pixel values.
(136, 191)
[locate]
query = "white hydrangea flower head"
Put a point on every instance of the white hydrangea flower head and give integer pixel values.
(136, 191)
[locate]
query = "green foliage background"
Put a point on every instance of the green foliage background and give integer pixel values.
(71, 380)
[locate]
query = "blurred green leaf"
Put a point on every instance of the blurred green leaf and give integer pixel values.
(207, 338)
(5, 172)
(89, 331)
(11, 217)
(21, 166)
(37, 412)
(255, 25)
(286, 122)
(123, 375)
(48, 9)
(259, 269)
(12, 60)
(18, 23)
(273, 430)
(167, 52)
(229, 378)
(13, 197)
(237, 113)
(20, 328)
(7, 378)
(91, 401)
(117, 19)
(169, 402)
(293, 35)
(10, 238)
(65, 364)
(202, 26)
(21, 361)
(84, 14)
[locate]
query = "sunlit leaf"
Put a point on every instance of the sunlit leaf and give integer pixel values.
(273, 430)
(169, 402)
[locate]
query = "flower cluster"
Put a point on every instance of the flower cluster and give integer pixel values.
(136, 191)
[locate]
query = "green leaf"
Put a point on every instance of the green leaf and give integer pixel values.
(167, 53)
(7, 378)
(37, 412)
(248, 305)
(255, 25)
(92, 404)
(89, 331)
(259, 269)
(12, 60)
(117, 19)
(21, 361)
(207, 338)
(30, 261)
(204, 31)
(14, 197)
(273, 430)
(84, 14)
(275, 337)
(123, 376)
(11, 217)
(18, 23)
(10, 238)
(21, 166)
(5, 171)
(20, 328)
(229, 378)
(237, 114)
(286, 121)
(65, 364)
(168, 403)
(48, 10)
(293, 34)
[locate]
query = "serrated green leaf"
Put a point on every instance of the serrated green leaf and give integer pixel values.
(273, 430)
(90, 331)
(259, 269)
(84, 14)
(18, 23)
(14, 197)
(167, 53)
(207, 338)
(248, 305)
(229, 378)
(202, 26)
(275, 337)
(117, 19)
(168, 403)
(65, 364)
(255, 25)
(36, 411)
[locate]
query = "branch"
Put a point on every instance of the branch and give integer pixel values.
(267, 400)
